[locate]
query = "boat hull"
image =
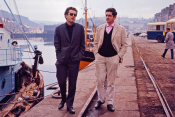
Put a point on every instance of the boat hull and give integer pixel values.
(89, 57)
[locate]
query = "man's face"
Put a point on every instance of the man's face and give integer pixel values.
(167, 30)
(70, 17)
(110, 18)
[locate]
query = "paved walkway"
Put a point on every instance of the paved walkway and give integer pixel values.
(125, 103)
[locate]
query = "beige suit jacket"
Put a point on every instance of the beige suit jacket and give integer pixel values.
(118, 39)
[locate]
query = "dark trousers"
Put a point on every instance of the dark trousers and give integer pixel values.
(172, 53)
(69, 70)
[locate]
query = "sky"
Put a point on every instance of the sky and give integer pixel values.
(53, 10)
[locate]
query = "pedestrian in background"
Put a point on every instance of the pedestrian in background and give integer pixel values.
(169, 43)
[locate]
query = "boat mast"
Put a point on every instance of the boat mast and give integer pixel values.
(85, 23)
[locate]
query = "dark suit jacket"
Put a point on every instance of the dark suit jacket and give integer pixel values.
(66, 49)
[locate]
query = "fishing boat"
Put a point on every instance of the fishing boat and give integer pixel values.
(89, 55)
(21, 85)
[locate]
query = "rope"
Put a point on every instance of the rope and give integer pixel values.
(90, 4)
(82, 3)
(2, 12)
(19, 19)
(88, 13)
(91, 19)
(4, 20)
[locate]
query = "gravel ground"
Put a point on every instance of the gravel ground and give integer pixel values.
(163, 71)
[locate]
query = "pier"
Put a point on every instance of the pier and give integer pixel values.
(144, 86)
(125, 103)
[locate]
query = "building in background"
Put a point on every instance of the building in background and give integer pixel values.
(49, 29)
(165, 14)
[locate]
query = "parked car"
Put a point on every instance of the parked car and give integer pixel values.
(137, 34)
(143, 35)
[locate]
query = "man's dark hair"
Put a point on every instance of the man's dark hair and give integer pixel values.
(69, 8)
(168, 28)
(114, 12)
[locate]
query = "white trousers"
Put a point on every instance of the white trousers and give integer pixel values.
(106, 69)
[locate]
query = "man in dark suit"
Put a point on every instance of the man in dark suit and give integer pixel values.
(69, 43)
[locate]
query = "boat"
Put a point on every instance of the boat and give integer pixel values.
(21, 85)
(88, 55)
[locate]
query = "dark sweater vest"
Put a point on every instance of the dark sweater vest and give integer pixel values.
(107, 50)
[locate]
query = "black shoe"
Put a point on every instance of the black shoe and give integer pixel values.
(61, 105)
(110, 107)
(98, 104)
(163, 56)
(71, 110)
(172, 58)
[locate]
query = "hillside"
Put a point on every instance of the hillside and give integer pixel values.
(25, 20)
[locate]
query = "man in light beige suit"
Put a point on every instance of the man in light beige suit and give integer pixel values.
(109, 48)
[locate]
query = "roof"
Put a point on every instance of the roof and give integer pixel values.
(26, 26)
(171, 21)
(156, 23)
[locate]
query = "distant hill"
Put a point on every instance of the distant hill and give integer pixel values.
(42, 23)
(98, 21)
(25, 20)
(131, 23)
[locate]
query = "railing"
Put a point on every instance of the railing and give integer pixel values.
(10, 56)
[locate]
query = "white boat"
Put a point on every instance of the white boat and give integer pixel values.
(20, 84)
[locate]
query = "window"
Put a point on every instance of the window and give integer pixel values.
(149, 28)
(171, 27)
(158, 27)
(168, 26)
(164, 27)
(154, 27)
(161, 27)
(0, 37)
(8, 42)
